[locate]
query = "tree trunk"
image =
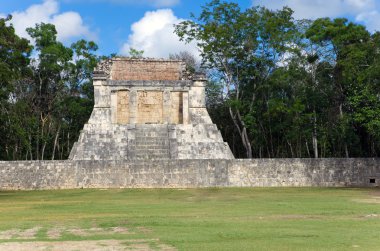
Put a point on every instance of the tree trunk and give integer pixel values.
(55, 142)
(307, 148)
(45, 142)
(315, 135)
(68, 143)
(240, 126)
(345, 143)
(291, 148)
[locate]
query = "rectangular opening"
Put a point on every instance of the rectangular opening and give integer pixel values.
(372, 181)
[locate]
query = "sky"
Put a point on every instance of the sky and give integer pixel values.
(118, 25)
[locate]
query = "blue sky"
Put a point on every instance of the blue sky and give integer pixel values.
(117, 25)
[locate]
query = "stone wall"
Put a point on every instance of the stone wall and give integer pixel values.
(146, 69)
(150, 107)
(189, 173)
(122, 107)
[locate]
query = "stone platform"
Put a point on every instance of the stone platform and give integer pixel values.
(149, 109)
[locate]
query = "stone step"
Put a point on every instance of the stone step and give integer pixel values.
(146, 157)
(149, 147)
(151, 142)
(151, 151)
(151, 134)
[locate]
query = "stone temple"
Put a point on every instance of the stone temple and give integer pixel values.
(149, 109)
(150, 129)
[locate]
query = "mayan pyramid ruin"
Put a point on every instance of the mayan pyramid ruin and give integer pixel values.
(149, 109)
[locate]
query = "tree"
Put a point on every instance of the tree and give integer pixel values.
(48, 102)
(244, 48)
(134, 53)
(14, 59)
(347, 43)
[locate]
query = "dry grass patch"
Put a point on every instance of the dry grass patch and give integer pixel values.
(19, 234)
(99, 245)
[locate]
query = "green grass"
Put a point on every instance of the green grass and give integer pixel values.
(207, 219)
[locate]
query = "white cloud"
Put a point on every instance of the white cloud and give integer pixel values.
(370, 19)
(366, 11)
(154, 3)
(68, 24)
(154, 34)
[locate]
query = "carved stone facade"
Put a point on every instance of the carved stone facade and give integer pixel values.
(149, 109)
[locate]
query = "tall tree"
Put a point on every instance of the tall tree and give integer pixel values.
(347, 43)
(47, 103)
(243, 47)
(14, 59)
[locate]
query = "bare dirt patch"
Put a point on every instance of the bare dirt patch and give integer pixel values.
(15, 235)
(98, 231)
(372, 200)
(19, 233)
(375, 192)
(290, 217)
(101, 245)
(54, 233)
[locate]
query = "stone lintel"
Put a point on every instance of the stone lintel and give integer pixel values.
(149, 83)
(200, 77)
(99, 76)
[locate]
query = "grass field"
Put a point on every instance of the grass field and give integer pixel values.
(191, 219)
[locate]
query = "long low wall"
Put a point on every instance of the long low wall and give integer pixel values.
(27, 175)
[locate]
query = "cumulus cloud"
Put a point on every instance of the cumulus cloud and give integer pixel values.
(371, 19)
(154, 3)
(154, 34)
(366, 11)
(68, 24)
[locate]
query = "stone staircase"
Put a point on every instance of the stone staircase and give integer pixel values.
(150, 142)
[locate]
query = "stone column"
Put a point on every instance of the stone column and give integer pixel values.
(198, 95)
(185, 107)
(133, 102)
(100, 94)
(113, 107)
(197, 101)
(166, 107)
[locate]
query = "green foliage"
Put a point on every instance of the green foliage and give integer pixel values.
(14, 59)
(134, 53)
(243, 47)
(48, 102)
(291, 88)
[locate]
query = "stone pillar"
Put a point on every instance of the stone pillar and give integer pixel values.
(185, 107)
(133, 107)
(197, 101)
(113, 107)
(100, 94)
(197, 94)
(166, 107)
